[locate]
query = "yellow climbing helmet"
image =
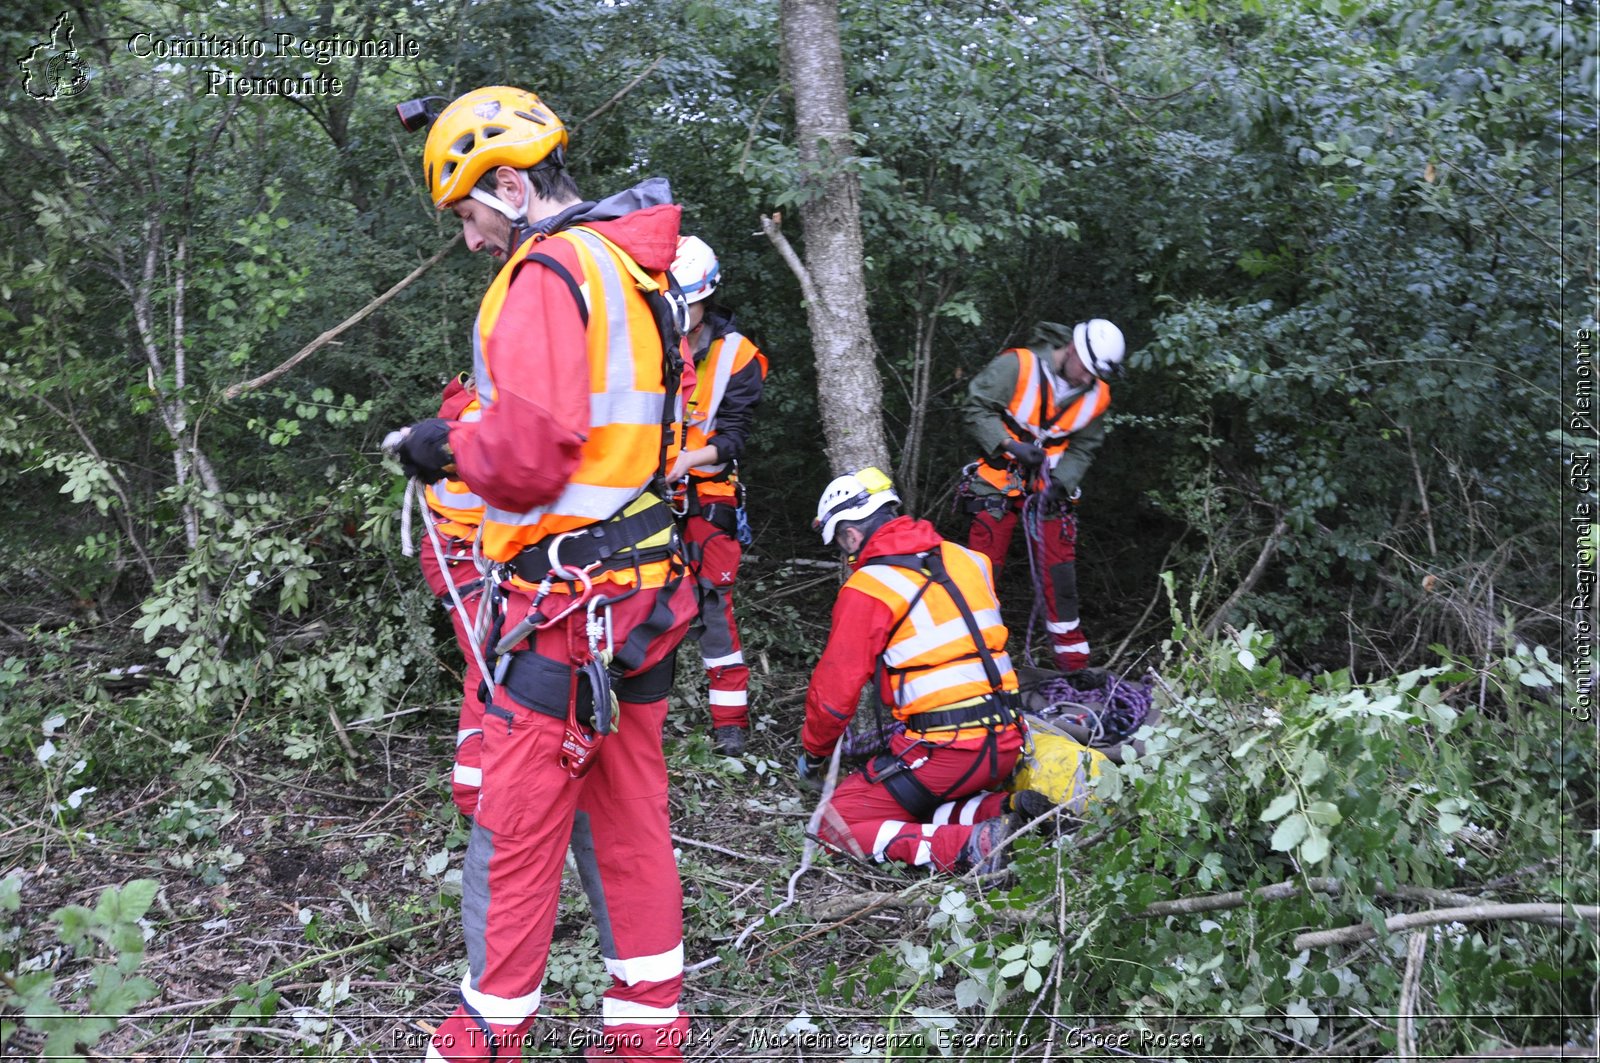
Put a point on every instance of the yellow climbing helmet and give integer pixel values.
(486, 128)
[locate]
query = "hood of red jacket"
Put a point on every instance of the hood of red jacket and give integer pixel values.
(641, 220)
(903, 535)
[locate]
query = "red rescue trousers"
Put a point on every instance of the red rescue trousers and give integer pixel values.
(1056, 571)
(467, 775)
(615, 818)
(961, 774)
(713, 557)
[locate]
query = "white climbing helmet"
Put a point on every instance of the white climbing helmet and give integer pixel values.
(853, 497)
(1100, 347)
(695, 269)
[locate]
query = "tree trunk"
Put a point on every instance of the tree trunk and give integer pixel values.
(850, 392)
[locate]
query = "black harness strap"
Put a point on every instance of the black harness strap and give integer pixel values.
(895, 774)
(572, 284)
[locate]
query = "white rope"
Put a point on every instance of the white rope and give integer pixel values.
(813, 825)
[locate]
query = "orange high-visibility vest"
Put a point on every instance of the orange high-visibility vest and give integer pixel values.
(932, 658)
(1032, 410)
(627, 397)
(726, 355)
(457, 510)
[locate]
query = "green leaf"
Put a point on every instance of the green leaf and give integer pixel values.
(1280, 807)
(1289, 833)
(1315, 767)
(1324, 813)
(1315, 848)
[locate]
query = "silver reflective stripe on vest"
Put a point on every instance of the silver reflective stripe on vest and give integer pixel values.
(455, 499)
(1027, 409)
(727, 354)
(897, 581)
(480, 368)
(1088, 404)
(946, 677)
(618, 404)
(619, 371)
(576, 500)
(624, 407)
(923, 640)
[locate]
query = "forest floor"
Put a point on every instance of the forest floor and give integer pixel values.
(342, 897)
(310, 909)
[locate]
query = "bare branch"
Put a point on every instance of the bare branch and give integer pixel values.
(772, 227)
(1257, 570)
(629, 87)
(1476, 913)
(338, 330)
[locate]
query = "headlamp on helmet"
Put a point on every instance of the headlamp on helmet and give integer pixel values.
(853, 497)
(418, 114)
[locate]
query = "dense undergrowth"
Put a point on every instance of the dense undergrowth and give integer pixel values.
(1345, 799)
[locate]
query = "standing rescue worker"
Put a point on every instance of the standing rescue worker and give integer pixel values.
(729, 374)
(919, 614)
(576, 356)
(456, 513)
(1036, 412)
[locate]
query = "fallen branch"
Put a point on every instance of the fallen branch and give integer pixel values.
(681, 840)
(809, 851)
(1405, 1032)
(1476, 913)
(1217, 902)
(344, 326)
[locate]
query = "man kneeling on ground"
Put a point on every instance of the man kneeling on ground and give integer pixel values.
(920, 614)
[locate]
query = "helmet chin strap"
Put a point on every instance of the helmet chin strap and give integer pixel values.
(520, 228)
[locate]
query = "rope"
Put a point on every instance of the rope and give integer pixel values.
(1033, 539)
(809, 852)
(1111, 714)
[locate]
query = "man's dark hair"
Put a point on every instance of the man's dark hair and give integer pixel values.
(870, 523)
(549, 179)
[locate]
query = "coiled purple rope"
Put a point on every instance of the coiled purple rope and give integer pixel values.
(1110, 715)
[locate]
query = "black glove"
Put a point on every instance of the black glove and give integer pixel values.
(808, 770)
(1057, 495)
(1025, 453)
(424, 449)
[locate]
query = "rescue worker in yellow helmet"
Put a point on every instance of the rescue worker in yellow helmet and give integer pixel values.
(919, 614)
(729, 373)
(576, 358)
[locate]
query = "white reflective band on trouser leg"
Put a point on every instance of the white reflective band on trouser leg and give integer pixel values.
(623, 1012)
(433, 1055)
(1061, 627)
(736, 657)
(730, 697)
(1081, 646)
(466, 733)
(892, 829)
(502, 1011)
(467, 776)
(657, 968)
(946, 813)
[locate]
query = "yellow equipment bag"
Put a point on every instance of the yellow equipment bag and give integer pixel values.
(1059, 767)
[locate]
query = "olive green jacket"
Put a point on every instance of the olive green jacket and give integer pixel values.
(989, 397)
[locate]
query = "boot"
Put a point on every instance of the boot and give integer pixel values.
(730, 740)
(979, 852)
